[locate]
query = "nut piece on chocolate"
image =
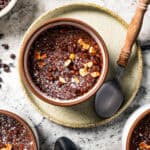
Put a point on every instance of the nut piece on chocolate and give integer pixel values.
(83, 44)
(83, 72)
(72, 56)
(92, 50)
(62, 80)
(67, 63)
(95, 74)
(38, 56)
(8, 147)
(144, 146)
(89, 64)
(76, 80)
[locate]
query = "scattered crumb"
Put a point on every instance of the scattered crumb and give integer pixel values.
(5, 46)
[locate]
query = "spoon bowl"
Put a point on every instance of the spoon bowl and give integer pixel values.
(108, 99)
(64, 143)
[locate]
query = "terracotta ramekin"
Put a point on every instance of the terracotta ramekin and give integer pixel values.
(31, 131)
(131, 124)
(25, 48)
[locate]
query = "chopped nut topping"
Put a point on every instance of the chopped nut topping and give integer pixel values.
(41, 64)
(72, 56)
(83, 44)
(67, 63)
(95, 74)
(92, 50)
(8, 147)
(80, 41)
(38, 56)
(144, 146)
(43, 56)
(76, 80)
(83, 72)
(86, 46)
(62, 80)
(89, 64)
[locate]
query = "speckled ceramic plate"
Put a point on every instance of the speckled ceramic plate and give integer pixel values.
(113, 30)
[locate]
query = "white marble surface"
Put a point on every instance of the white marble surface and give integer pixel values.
(14, 25)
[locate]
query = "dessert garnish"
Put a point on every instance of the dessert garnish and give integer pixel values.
(7, 147)
(66, 64)
(144, 146)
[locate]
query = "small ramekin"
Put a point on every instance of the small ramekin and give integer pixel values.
(26, 123)
(131, 123)
(24, 70)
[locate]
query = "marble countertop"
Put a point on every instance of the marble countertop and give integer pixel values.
(12, 97)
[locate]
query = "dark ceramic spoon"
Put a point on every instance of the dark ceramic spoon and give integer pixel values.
(64, 143)
(110, 97)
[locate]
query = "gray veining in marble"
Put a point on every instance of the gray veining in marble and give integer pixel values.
(14, 25)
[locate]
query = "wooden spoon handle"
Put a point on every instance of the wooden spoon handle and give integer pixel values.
(132, 34)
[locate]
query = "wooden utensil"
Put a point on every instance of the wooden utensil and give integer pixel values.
(110, 97)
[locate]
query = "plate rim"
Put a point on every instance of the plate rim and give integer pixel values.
(140, 65)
